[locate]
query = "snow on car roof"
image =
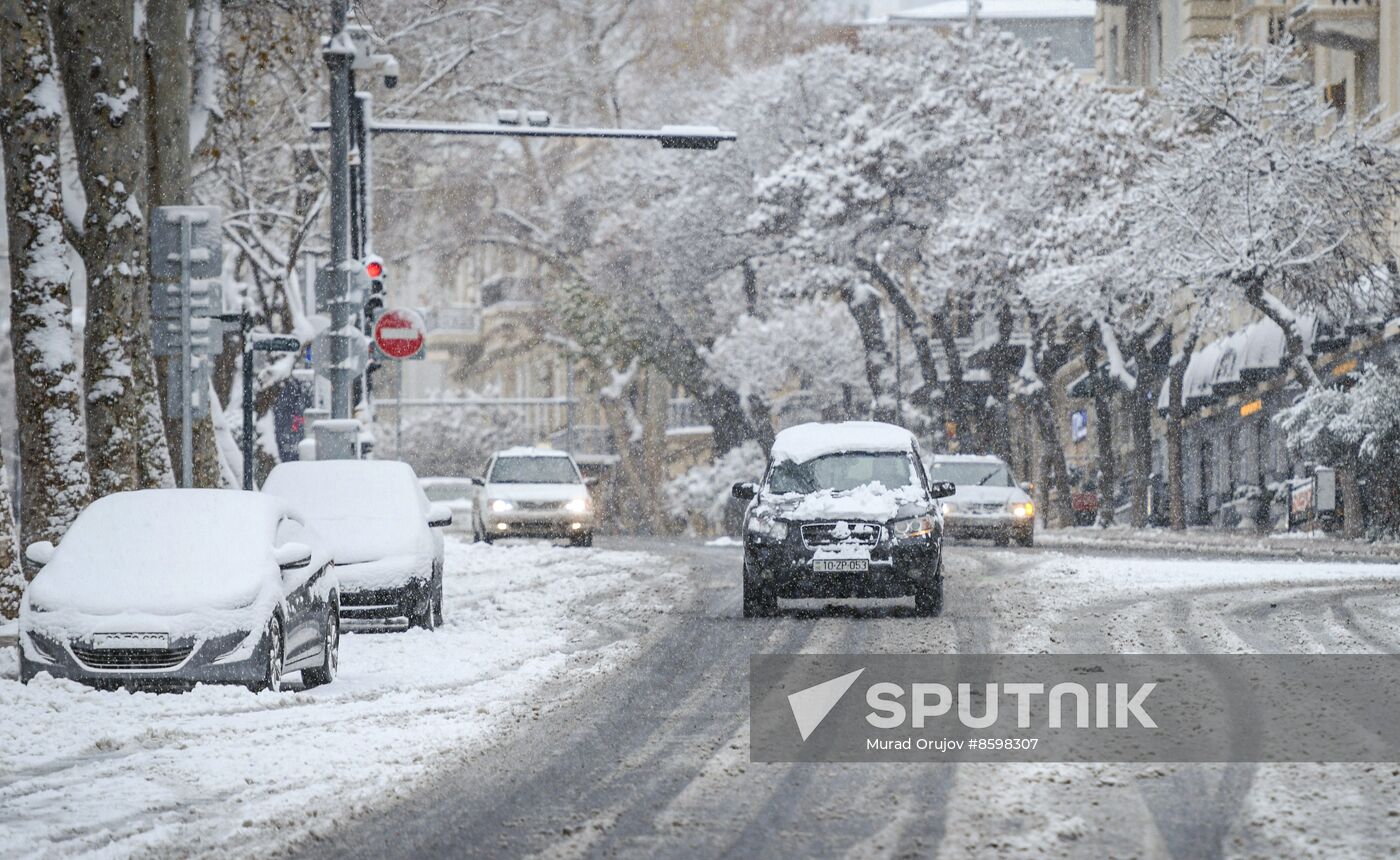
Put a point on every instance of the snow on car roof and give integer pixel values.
(367, 509)
(163, 551)
(805, 442)
(522, 451)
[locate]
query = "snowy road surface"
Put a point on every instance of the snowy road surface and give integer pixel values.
(594, 702)
(654, 761)
(221, 771)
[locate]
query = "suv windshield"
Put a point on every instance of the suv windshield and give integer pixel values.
(533, 470)
(842, 472)
(973, 474)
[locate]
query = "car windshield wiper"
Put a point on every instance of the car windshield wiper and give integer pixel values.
(990, 475)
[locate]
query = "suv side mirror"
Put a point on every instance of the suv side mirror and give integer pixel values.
(745, 490)
(1026, 486)
(439, 516)
(942, 489)
(40, 552)
(292, 555)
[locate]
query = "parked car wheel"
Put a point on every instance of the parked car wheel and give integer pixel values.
(759, 600)
(426, 616)
(437, 602)
(274, 653)
(330, 653)
(928, 595)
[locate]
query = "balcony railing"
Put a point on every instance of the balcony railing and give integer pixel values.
(457, 319)
(1348, 25)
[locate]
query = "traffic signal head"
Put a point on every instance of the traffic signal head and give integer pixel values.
(374, 266)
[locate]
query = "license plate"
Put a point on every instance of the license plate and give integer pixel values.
(841, 565)
(130, 641)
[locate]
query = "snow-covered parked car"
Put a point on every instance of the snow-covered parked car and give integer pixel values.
(533, 492)
(845, 510)
(383, 534)
(455, 493)
(988, 503)
(177, 587)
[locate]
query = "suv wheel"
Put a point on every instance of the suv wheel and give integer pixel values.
(759, 600)
(928, 594)
(425, 616)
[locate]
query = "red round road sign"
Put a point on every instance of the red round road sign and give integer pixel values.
(399, 333)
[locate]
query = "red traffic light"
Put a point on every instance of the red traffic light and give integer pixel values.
(374, 268)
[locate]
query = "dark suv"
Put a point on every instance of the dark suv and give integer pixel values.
(844, 510)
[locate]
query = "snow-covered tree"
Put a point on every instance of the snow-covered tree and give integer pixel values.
(1270, 198)
(1357, 428)
(53, 456)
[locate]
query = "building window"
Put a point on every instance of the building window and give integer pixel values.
(1336, 96)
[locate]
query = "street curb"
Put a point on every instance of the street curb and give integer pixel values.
(1244, 548)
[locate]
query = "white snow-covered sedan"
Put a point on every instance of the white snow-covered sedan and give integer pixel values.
(169, 588)
(988, 503)
(383, 534)
(533, 492)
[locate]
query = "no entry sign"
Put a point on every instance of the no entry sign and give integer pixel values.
(399, 333)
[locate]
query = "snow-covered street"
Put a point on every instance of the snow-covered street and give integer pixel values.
(655, 761)
(224, 771)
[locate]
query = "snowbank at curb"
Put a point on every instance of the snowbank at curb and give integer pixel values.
(223, 771)
(1218, 542)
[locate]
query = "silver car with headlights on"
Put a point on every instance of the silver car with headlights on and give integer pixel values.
(533, 492)
(988, 503)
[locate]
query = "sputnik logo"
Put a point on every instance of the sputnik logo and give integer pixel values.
(810, 706)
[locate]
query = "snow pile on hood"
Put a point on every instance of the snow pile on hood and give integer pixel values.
(805, 442)
(163, 552)
(871, 501)
(366, 509)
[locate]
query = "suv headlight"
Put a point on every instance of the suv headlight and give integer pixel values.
(766, 525)
(914, 528)
(1022, 510)
(500, 506)
(577, 506)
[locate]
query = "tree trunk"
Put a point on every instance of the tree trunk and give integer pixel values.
(126, 442)
(1003, 366)
(1353, 522)
(12, 578)
(1047, 357)
(1176, 479)
(1140, 404)
(913, 321)
(864, 305)
(634, 406)
(954, 390)
(1107, 478)
(167, 102)
(52, 453)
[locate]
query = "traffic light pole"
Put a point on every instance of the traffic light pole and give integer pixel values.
(339, 55)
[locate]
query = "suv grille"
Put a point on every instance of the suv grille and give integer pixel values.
(132, 658)
(830, 534)
(986, 508)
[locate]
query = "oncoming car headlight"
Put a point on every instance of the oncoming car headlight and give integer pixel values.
(764, 524)
(1022, 510)
(577, 506)
(914, 528)
(949, 507)
(500, 506)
